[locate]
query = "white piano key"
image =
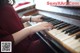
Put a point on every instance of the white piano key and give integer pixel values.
(72, 42)
(77, 49)
(63, 36)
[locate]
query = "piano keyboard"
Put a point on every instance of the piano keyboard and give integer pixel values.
(67, 34)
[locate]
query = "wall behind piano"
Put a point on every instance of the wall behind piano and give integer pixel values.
(74, 11)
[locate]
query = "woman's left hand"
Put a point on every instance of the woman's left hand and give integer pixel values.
(37, 18)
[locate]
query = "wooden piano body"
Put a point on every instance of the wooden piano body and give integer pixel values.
(64, 41)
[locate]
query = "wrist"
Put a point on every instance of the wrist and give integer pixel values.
(30, 30)
(27, 18)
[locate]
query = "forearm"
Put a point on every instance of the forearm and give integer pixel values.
(22, 34)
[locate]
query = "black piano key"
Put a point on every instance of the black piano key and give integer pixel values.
(74, 31)
(55, 22)
(68, 28)
(63, 26)
(60, 25)
(77, 36)
(67, 31)
(58, 22)
(71, 29)
(51, 20)
(46, 19)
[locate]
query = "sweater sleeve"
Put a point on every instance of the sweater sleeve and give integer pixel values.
(5, 36)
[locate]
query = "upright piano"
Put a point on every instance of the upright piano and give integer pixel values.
(65, 36)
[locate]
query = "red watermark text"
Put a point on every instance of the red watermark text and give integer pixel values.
(63, 3)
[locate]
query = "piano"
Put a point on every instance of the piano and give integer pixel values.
(65, 36)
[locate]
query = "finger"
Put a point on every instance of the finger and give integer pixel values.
(50, 25)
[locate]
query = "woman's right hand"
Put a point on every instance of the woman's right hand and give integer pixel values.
(41, 26)
(22, 34)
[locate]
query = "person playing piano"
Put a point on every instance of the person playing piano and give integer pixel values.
(12, 29)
